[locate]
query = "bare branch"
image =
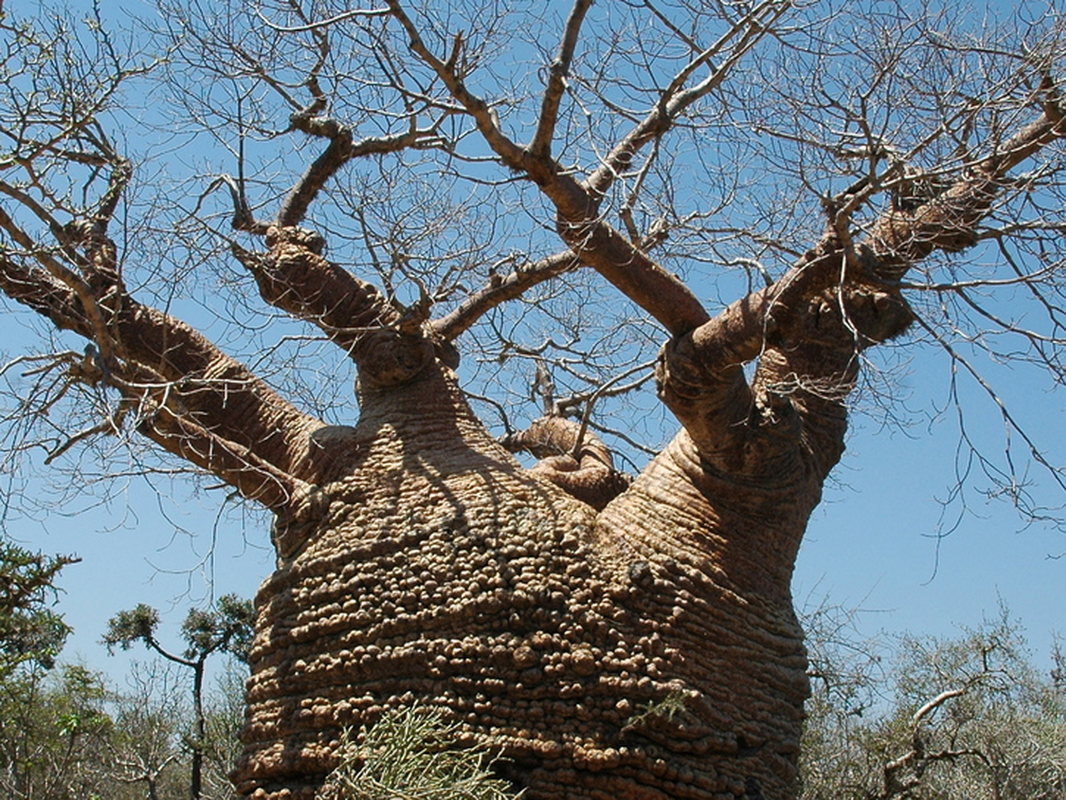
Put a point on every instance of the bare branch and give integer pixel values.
(325, 23)
(501, 289)
(295, 277)
(559, 71)
(675, 99)
(256, 478)
(572, 459)
(340, 151)
(484, 117)
(78, 285)
(899, 239)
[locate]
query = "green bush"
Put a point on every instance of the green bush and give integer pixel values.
(410, 754)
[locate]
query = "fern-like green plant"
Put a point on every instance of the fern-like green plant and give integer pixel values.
(410, 754)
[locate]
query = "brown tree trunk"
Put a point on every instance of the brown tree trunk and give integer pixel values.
(442, 572)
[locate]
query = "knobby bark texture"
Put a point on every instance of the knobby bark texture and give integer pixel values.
(439, 571)
(606, 638)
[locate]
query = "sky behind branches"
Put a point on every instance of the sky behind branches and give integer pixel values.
(881, 542)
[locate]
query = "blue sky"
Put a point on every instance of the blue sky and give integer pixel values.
(874, 544)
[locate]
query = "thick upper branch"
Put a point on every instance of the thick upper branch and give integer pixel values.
(634, 273)
(597, 244)
(576, 461)
(806, 331)
(294, 277)
(899, 239)
(194, 399)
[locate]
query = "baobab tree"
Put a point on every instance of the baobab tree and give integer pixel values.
(539, 193)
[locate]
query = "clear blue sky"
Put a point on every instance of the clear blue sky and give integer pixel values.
(872, 545)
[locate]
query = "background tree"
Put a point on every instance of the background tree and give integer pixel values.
(963, 717)
(226, 628)
(54, 731)
(148, 752)
(224, 719)
(29, 630)
(482, 176)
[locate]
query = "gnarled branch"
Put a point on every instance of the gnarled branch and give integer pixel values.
(576, 461)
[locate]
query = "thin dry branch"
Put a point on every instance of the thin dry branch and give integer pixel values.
(675, 99)
(355, 13)
(341, 149)
(501, 289)
(540, 147)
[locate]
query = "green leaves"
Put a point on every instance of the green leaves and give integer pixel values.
(225, 627)
(29, 630)
(411, 754)
(128, 627)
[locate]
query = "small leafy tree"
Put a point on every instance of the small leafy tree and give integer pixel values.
(51, 723)
(224, 628)
(29, 630)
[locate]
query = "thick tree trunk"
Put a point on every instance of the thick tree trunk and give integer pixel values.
(431, 567)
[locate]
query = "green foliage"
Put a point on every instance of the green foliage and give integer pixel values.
(54, 734)
(228, 627)
(410, 754)
(66, 735)
(965, 718)
(29, 630)
(667, 708)
(128, 627)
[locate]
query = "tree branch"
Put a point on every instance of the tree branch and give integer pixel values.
(675, 99)
(253, 476)
(512, 154)
(572, 458)
(501, 289)
(339, 152)
(294, 277)
(597, 244)
(898, 239)
(59, 271)
(633, 272)
(208, 407)
(540, 147)
(806, 330)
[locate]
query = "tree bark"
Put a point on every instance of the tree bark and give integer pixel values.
(443, 572)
